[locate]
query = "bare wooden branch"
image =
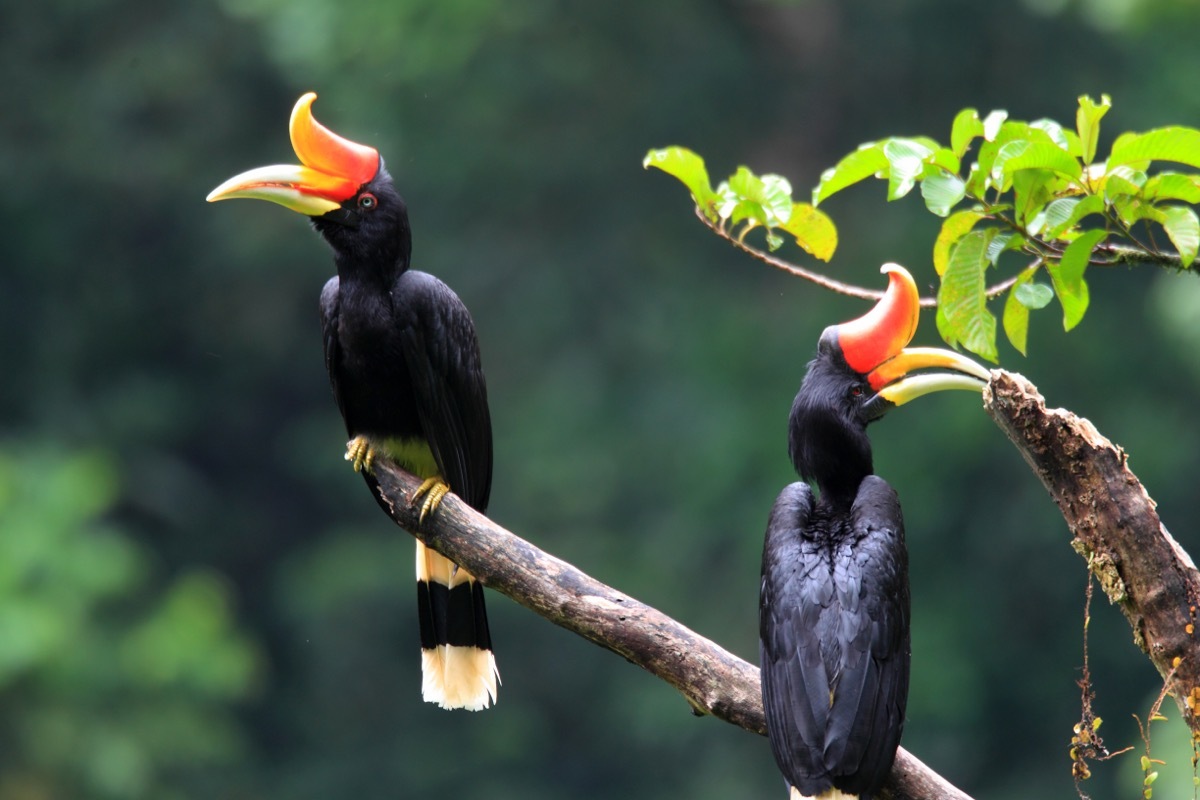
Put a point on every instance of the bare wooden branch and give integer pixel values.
(712, 680)
(1116, 529)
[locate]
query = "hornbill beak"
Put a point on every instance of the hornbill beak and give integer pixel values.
(333, 169)
(874, 345)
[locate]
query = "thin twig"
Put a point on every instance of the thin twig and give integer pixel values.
(824, 281)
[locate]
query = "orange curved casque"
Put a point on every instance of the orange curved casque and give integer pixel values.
(323, 150)
(883, 331)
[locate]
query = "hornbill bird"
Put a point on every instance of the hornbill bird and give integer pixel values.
(834, 602)
(403, 359)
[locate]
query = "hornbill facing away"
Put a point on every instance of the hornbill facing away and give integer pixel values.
(403, 359)
(834, 603)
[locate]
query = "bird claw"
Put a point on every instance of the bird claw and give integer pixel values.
(360, 454)
(432, 490)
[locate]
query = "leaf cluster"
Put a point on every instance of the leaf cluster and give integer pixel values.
(750, 201)
(1002, 186)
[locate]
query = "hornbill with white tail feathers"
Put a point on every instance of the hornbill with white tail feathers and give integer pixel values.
(404, 363)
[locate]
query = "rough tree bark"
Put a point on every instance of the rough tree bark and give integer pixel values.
(1112, 519)
(1116, 530)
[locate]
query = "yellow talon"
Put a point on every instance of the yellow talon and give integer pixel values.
(433, 490)
(360, 454)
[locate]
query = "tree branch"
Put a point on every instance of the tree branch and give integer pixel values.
(1116, 529)
(1137, 256)
(824, 281)
(712, 680)
(1113, 520)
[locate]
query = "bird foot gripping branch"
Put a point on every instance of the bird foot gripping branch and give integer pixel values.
(360, 454)
(429, 495)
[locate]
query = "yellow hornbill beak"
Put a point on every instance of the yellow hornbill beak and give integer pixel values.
(333, 169)
(874, 345)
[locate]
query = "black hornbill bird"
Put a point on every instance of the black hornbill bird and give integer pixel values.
(403, 359)
(834, 602)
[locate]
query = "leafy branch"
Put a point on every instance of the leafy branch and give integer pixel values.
(1031, 189)
(820, 279)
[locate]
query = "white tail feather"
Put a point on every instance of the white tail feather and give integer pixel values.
(829, 794)
(451, 676)
(459, 677)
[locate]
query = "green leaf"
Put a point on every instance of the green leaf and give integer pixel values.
(977, 181)
(965, 129)
(776, 198)
(1087, 123)
(1132, 209)
(1019, 155)
(989, 151)
(962, 315)
(1003, 242)
(1032, 189)
(1033, 295)
(1065, 140)
(1088, 205)
(765, 200)
(1058, 213)
(814, 231)
(942, 191)
(906, 162)
(865, 162)
(686, 167)
(1173, 186)
(1123, 180)
(1016, 313)
(944, 158)
(730, 205)
(1183, 228)
(1067, 277)
(1163, 144)
(955, 227)
(992, 123)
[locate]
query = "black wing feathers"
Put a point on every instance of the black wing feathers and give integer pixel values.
(441, 351)
(794, 682)
(834, 638)
(413, 369)
(329, 336)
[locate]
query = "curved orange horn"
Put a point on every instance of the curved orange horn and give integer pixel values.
(883, 331)
(323, 150)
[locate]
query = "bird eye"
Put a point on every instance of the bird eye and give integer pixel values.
(367, 201)
(856, 390)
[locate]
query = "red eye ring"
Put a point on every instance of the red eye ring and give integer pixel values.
(367, 201)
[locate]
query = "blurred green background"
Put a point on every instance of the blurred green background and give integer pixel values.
(198, 599)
